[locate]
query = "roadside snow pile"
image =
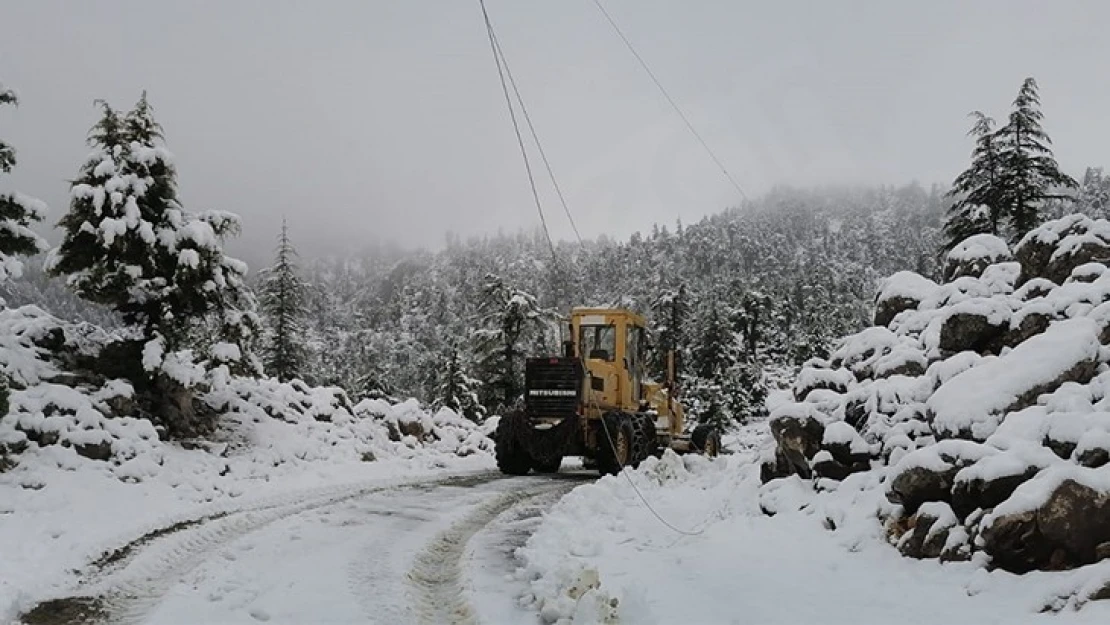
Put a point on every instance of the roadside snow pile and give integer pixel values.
(601, 556)
(982, 407)
(58, 403)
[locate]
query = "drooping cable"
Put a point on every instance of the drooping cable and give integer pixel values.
(670, 100)
(516, 126)
(536, 138)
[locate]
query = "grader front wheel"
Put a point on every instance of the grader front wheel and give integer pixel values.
(615, 440)
(707, 440)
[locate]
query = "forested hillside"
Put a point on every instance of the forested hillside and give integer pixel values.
(772, 284)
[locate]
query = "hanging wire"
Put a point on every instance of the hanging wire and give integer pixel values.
(536, 139)
(516, 126)
(670, 100)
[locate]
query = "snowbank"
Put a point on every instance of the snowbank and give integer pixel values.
(602, 554)
(981, 409)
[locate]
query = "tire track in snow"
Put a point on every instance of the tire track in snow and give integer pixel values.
(436, 575)
(125, 583)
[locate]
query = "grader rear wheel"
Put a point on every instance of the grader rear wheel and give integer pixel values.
(512, 457)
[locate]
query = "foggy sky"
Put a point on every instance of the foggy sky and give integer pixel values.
(370, 121)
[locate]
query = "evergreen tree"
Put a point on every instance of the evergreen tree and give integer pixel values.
(751, 320)
(509, 318)
(977, 194)
(1094, 193)
(129, 244)
(373, 383)
(670, 311)
(745, 390)
(724, 382)
(283, 301)
(17, 211)
(713, 354)
(1030, 175)
(456, 390)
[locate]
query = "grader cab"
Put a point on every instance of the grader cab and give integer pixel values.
(596, 401)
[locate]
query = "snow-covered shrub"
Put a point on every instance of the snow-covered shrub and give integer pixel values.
(131, 245)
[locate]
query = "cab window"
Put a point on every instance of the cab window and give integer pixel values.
(599, 342)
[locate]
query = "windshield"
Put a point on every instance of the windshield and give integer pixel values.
(599, 342)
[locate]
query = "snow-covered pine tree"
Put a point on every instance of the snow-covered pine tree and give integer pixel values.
(372, 380)
(510, 319)
(1030, 175)
(1094, 194)
(282, 294)
(977, 195)
(745, 390)
(712, 355)
(17, 212)
(456, 390)
(129, 244)
(670, 311)
(753, 319)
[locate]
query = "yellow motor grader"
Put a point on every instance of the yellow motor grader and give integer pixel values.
(596, 401)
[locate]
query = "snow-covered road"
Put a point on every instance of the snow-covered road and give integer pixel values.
(435, 552)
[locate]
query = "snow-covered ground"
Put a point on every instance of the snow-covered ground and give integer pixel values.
(53, 532)
(393, 557)
(822, 557)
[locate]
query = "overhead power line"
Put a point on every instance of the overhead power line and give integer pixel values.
(535, 137)
(501, 69)
(670, 100)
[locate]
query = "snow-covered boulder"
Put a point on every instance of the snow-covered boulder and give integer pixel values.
(1093, 449)
(972, 404)
(1058, 520)
(993, 479)
(902, 291)
(812, 379)
(928, 535)
(859, 352)
(1034, 289)
(928, 474)
(974, 325)
(844, 443)
(1026, 323)
(843, 452)
(1058, 247)
(973, 255)
(1087, 273)
(905, 360)
(798, 430)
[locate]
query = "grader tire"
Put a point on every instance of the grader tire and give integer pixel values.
(615, 441)
(645, 441)
(512, 457)
(707, 440)
(549, 466)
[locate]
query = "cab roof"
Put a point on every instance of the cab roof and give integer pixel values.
(624, 313)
